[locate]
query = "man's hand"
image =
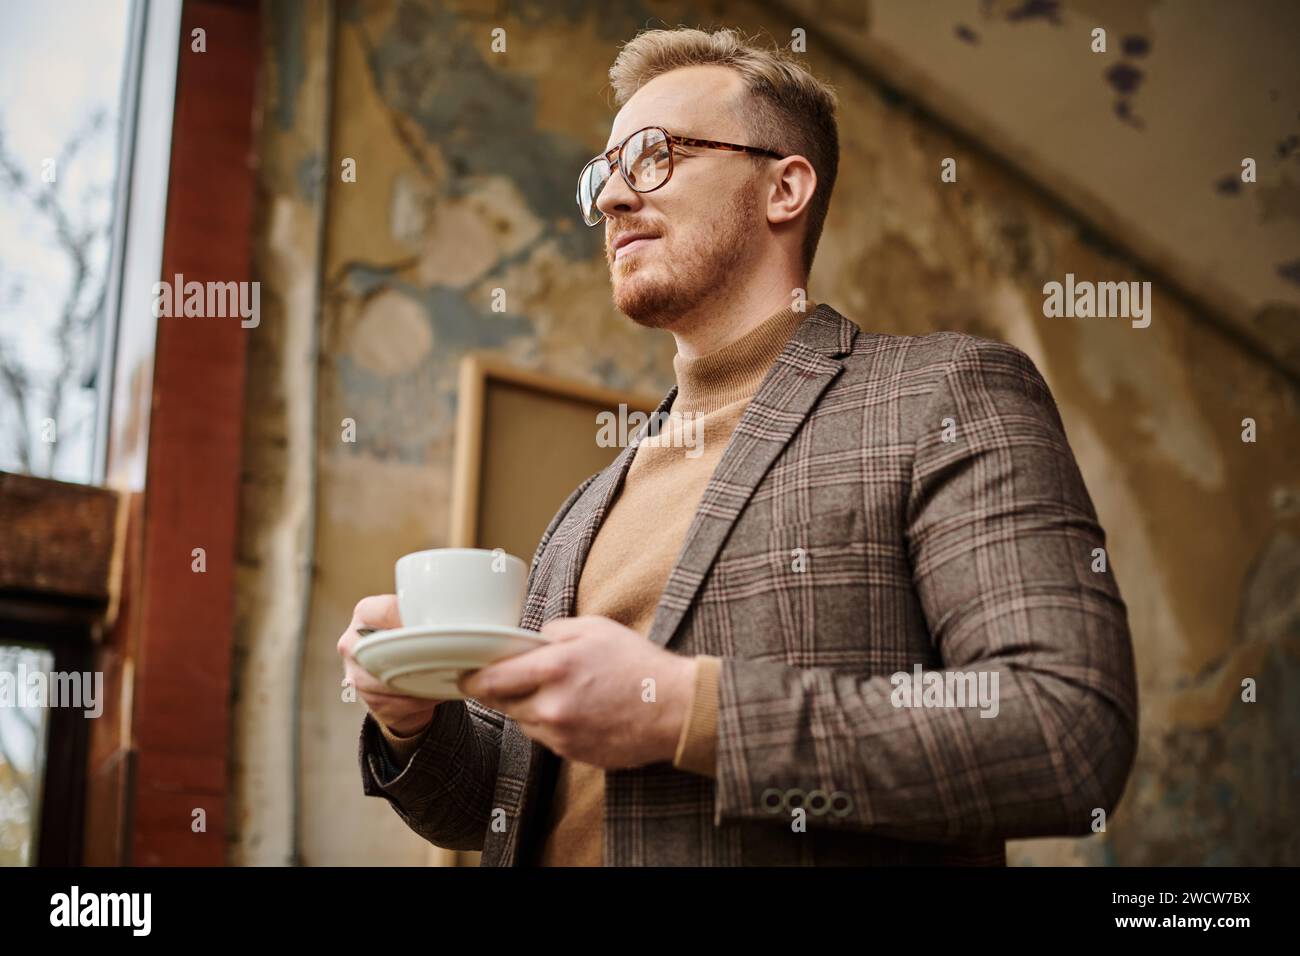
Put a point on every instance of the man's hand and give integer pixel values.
(599, 693)
(402, 715)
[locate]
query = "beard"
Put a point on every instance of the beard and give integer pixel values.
(686, 272)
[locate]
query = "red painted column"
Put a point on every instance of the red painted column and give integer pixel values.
(181, 725)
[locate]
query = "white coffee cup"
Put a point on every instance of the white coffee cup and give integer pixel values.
(454, 587)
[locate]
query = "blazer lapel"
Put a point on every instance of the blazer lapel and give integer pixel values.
(802, 371)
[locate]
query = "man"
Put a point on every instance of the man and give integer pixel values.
(862, 626)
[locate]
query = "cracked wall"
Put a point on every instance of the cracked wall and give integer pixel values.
(465, 162)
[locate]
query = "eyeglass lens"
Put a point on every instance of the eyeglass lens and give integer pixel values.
(646, 162)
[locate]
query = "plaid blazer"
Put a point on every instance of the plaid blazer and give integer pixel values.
(888, 508)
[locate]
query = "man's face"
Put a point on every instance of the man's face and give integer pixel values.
(706, 220)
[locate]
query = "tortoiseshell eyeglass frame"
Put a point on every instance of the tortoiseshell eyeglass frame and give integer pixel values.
(673, 142)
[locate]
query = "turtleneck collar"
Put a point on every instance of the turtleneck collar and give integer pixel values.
(734, 372)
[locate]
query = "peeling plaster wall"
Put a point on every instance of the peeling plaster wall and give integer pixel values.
(277, 497)
(465, 163)
(1146, 137)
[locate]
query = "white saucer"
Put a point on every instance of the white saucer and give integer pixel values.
(426, 661)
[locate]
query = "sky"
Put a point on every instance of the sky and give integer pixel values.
(60, 60)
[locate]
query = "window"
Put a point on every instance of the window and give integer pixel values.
(86, 106)
(23, 728)
(61, 123)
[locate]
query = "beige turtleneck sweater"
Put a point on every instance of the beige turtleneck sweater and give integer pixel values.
(634, 552)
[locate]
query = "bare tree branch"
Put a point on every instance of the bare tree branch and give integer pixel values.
(76, 237)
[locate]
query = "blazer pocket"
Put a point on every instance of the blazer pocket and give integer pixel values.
(838, 535)
(819, 593)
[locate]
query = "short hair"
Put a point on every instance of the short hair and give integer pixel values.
(788, 110)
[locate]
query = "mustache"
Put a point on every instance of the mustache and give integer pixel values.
(613, 237)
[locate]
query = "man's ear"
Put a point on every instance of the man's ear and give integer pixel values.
(793, 184)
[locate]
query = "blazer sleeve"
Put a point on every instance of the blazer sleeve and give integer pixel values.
(1002, 539)
(444, 790)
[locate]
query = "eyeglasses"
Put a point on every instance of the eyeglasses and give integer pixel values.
(646, 160)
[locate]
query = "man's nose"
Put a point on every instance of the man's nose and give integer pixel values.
(617, 196)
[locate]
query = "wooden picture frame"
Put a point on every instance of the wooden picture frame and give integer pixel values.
(495, 396)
